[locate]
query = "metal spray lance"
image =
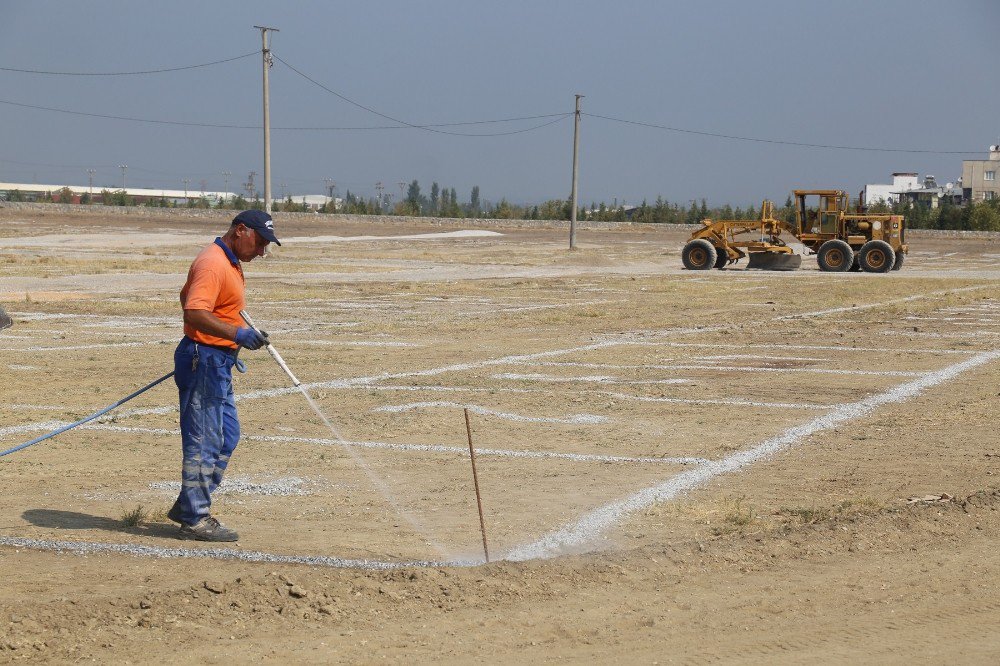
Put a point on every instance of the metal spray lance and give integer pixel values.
(271, 350)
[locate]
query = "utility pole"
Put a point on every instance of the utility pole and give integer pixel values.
(185, 181)
(572, 196)
(402, 189)
(330, 185)
(203, 183)
(267, 62)
(283, 186)
(90, 175)
(225, 192)
(124, 168)
(250, 188)
(378, 188)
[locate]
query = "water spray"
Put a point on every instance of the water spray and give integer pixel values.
(375, 479)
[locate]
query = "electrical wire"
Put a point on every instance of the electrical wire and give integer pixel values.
(557, 116)
(134, 120)
(428, 128)
(779, 141)
(149, 71)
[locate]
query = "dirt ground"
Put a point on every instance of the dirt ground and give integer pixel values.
(676, 466)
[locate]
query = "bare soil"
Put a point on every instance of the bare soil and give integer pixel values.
(676, 466)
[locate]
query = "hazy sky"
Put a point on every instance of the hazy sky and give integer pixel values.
(900, 74)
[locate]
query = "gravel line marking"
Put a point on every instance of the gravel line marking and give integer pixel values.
(820, 347)
(420, 448)
(575, 419)
(93, 548)
(582, 533)
(907, 299)
(723, 401)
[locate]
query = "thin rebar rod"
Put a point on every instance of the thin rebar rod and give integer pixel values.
(475, 480)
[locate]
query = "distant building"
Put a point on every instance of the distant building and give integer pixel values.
(931, 194)
(50, 193)
(902, 181)
(979, 177)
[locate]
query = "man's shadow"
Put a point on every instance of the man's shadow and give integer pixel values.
(73, 520)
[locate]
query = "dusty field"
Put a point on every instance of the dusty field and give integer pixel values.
(676, 467)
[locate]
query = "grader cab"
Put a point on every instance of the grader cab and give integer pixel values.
(841, 240)
(845, 241)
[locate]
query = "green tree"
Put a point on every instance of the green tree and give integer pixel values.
(435, 198)
(414, 198)
(984, 216)
(474, 204)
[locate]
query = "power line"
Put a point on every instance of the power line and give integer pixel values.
(134, 120)
(428, 128)
(149, 71)
(780, 141)
(557, 116)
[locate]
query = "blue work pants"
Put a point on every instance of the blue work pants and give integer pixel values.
(210, 429)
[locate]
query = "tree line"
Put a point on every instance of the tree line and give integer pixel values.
(444, 202)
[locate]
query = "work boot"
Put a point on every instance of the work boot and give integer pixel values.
(175, 513)
(208, 529)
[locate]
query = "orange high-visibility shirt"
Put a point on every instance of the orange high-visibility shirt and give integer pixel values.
(215, 282)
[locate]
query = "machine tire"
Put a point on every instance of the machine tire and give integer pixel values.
(835, 256)
(896, 265)
(722, 260)
(699, 255)
(876, 256)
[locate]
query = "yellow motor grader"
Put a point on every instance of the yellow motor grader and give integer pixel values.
(842, 241)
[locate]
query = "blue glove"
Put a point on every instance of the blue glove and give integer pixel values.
(249, 338)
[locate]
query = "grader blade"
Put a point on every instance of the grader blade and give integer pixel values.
(774, 261)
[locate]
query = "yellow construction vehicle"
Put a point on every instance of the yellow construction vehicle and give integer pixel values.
(842, 240)
(846, 241)
(722, 242)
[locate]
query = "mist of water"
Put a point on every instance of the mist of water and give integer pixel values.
(375, 479)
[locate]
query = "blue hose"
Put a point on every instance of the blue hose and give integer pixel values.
(89, 418)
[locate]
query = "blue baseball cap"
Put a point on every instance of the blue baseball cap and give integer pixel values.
(260, 222)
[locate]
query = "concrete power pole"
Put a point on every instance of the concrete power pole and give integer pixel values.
(267, 61)
(572, 196)
(124, 168)
(90, 175)
(225, 176)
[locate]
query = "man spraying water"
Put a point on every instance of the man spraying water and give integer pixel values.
(214, 331)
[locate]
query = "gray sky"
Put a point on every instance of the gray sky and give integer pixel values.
(901, 74)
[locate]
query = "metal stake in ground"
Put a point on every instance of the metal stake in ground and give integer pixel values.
(475, 480)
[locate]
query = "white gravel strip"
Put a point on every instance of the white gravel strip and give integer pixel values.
(839, 348)
(724, 401)
(424, 448)
(93, 548)
(868, 306)
(291, 486)
(464, 233)
(585, 531)
(536, 377)
(575, 419)
(826, 371)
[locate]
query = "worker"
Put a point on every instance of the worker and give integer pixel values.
(214, 332)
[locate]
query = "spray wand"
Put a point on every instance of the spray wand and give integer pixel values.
(271, 350)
